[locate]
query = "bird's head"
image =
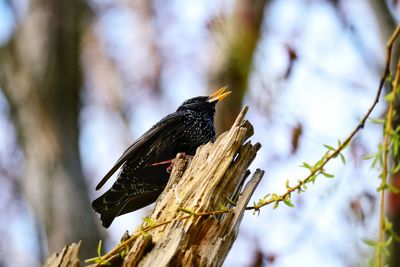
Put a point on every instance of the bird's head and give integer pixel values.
(205, 103)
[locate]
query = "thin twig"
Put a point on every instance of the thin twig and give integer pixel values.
(121, 246)
(337, 151)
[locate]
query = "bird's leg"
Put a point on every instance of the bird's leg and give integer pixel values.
(161, 163)
(183, 155)
(188, 157)
(170, 162)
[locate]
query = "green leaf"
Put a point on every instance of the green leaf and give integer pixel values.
(299, 190)
(306, 165)
(222, 207)
(321, 161)
(230, 201)
(377, 157)
(388, 224)
(395, 146)
(144, 233)
(288, 203)
(395, 141)
(312, 179)
(266, 196)
(276, 204)
(396, 169)
(256, 211)
(388, 77)
(327, 175)
(105, 263)
(186, 211)
(93, 260)
(369, 156)
(389, 97)
(123, 252)
(342, 158)
(386, 251)
(149, 221)
(287, 184)
(377, 121)
(329, 147)
(99, 248)
(381, 187)
(393, 189)
(370, 242)
(260, 202)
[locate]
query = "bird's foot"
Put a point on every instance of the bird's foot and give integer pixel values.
(180, 156)
(186, 156)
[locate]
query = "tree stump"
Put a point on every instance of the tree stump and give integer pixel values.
(196, 219)
(213, 181)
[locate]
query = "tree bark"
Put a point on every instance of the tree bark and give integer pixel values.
(67, 258)
(40, 75)
(196, 219)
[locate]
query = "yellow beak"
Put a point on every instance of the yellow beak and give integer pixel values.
(219, 95)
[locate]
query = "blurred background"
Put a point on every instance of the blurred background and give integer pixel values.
(81, 80)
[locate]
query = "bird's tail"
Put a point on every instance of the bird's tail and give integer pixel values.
(114, 203)
(109, 205)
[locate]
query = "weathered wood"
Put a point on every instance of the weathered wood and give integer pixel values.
(214, 177)
(196, 219)
(67, 258)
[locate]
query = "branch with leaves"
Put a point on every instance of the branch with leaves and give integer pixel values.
(318, 168)
(122, 248)
(391, 144)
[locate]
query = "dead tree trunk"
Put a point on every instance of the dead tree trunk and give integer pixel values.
(196, 219)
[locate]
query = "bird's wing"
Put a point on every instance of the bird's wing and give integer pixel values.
(147, 138)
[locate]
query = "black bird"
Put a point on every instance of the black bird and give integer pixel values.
(144, 174)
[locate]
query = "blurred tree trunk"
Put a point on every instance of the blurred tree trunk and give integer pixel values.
(385, 21)
(240, 34)
(40, 75)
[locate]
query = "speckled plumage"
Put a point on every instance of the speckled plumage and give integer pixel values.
(140, 182)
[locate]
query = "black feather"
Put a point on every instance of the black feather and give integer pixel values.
(139, 182)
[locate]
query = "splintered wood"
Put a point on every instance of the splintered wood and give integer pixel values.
(213, 180)
(198, 214)
(68, 257)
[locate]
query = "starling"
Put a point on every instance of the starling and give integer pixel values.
(144, 174)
